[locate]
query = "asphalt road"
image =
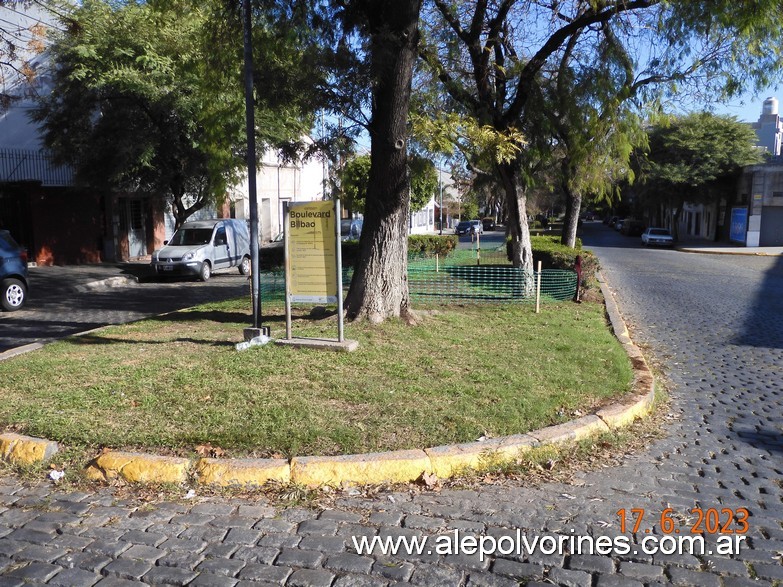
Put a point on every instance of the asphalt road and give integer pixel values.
(55, 309)
(714, 325)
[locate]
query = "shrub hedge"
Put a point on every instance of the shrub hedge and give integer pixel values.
(420, 245)
(554, 255)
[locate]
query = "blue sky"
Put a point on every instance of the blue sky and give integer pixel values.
(747, 108)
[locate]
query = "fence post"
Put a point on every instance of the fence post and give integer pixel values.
(478, 248)
(437, 263)
(538, 289)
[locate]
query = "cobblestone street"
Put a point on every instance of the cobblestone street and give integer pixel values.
(713, 322)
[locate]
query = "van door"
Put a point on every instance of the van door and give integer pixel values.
(220, 247)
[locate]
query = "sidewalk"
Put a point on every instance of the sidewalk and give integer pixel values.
(720, 248)
(75, 278)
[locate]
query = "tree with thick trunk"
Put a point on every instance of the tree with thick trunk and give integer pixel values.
(379, 289)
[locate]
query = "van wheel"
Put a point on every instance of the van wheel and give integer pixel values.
(205, 272)
(244, 266)
(13, 293)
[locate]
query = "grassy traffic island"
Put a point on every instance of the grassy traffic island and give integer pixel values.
(174, 383)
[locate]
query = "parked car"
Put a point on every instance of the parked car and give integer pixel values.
(632, 228)
(657, 236)
(618, 225)
(468, 226)
(202, 246)
(488, 223)
(351, 229)
(13, 273)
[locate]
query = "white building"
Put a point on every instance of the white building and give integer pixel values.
(769, 128)
(279, 181)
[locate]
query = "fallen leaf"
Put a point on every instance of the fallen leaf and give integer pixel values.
(429, 480)
(207, 450)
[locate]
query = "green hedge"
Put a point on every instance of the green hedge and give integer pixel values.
(419, 245)
(425, 245)
(554, 255)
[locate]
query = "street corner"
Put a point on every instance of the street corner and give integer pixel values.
(26, 450)
(138, 468)
(390, 467)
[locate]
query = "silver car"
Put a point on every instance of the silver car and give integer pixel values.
(200, 247)
(657, 236)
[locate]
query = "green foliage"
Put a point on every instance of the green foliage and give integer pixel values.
(149, 97)
(355, 177)
(698, 149)
(430, 245)
(554, 255)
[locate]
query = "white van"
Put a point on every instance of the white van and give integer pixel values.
(202, 246)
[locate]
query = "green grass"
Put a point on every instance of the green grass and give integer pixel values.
(177, 381)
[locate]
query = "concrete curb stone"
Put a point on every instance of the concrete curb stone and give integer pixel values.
(396, 466)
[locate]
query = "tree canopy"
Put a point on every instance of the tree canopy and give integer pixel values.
(148, 97)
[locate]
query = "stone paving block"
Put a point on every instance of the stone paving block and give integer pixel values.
(310, 578)
(293, 557)
(269, 525)
(591, 563)
(394, 570)
(219, 550)
(323, 527)
(359, 581)
(568, 578)
(32, 536)
(71, 542)
(772, 572)
(426, 575)
(265, 574)
(211, 580)
(221, 566)
(35, 571)
(617, 581)
(467, 561)
(127, 569)
(386, 518)
(349, 563)
(74, 578)
(179, 558)
(11, 582)
(687, 577)
(423, 523)
(256, 554)
(208, 534)
(183, 544)
(88, 561)
(479, 579)
(340, 516)
(241, 536)
(44, 554)
(280, 540)
(517, 570)
(640, 571)
(118, 582)
(323, 543)
(146, 538)
(163, 575)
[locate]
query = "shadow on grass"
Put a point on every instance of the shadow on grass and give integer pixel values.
(97, 339)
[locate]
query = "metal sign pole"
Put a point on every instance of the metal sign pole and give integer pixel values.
(287, 262)
(339, 271)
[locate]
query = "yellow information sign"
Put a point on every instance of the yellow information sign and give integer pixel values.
(312, 252)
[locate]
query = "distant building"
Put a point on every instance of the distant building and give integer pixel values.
(769, 128)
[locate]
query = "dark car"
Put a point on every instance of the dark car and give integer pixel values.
(13, 273)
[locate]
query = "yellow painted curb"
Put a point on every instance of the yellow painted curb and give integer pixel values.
(25, 450)
(397, 467)
(447, 461)
(138, 468)
(246, 472)
(390, 467)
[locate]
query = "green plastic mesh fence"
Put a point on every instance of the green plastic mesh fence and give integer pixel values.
(451, 284)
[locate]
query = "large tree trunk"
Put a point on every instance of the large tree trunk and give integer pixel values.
(518, 230)
(379, 289)
(573, 203)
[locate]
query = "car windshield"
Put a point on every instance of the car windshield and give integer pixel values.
(191, 236)
(659, 232)
(463, 224)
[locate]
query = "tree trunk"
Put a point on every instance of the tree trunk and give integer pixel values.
(573, 203)
(379, 289)
(517, 230)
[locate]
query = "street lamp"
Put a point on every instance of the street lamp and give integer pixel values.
(440, 208)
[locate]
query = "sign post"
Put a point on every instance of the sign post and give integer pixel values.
(313, 267)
